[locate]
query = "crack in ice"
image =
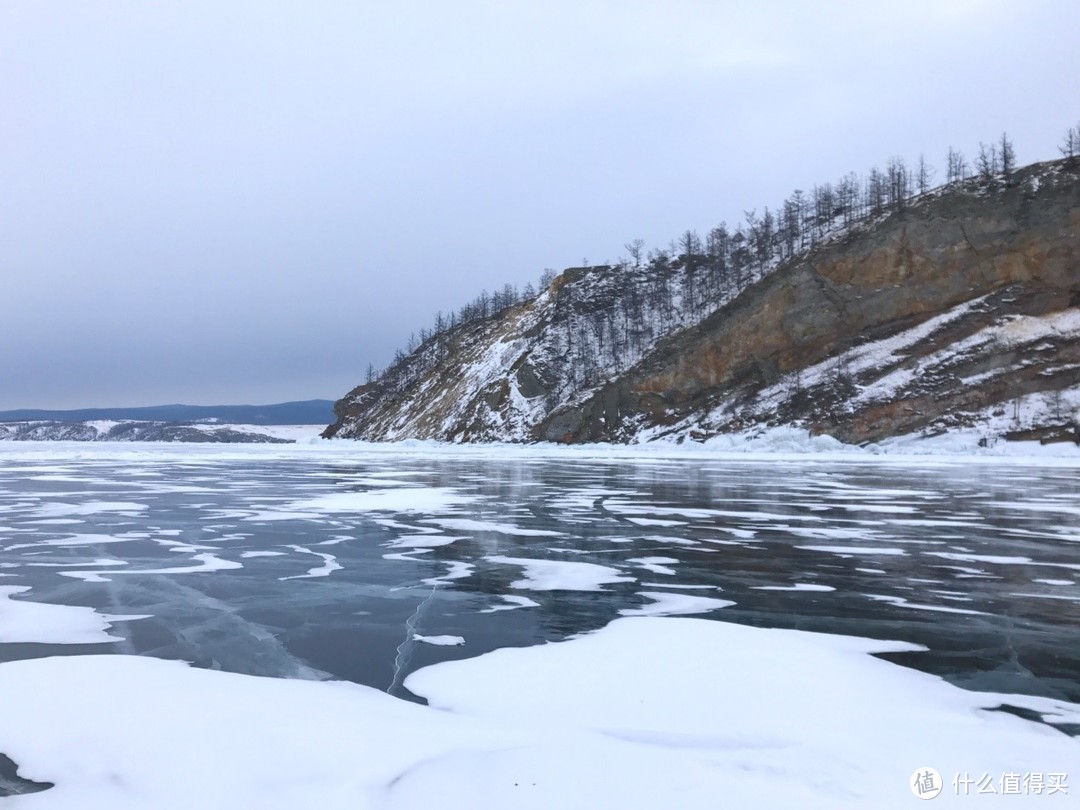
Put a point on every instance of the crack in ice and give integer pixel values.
(401, 659)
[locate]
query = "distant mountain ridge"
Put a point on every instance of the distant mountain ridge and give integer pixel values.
(130, 431)
(305, 412)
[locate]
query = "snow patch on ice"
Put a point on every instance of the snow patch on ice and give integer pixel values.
(439, 641)
(396, 499)
(561, 575)
(675, 604)
(471, 525)
(900, 601)
(23, 622)
(656, 565)
(330, 564)
(855, 550)
(514, 603)
(207, 563)
(125, 508)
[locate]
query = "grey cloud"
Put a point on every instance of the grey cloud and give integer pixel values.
(233, 202)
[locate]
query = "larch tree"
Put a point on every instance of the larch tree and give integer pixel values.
(848, 194)
(875, 192)
(987, 163)
(897, 183)
(1008, 156)
(956, 171)
(924, 175)
(1070, 147)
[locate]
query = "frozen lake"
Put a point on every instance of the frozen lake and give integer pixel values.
(811, 631)
(365, 565)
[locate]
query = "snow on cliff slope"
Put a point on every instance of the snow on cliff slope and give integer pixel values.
(499, 379)
(887, 371)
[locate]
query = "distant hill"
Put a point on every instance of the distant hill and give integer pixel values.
(308, 412)
(877, 313)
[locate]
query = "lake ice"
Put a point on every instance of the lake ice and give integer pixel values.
(416, 573)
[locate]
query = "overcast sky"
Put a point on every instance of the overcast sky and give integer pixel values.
(247, 202)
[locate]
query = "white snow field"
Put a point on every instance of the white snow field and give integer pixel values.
(645, 713)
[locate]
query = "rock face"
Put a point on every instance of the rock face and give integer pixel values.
(961, 309)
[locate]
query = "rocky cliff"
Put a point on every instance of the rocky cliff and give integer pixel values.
(958, 308)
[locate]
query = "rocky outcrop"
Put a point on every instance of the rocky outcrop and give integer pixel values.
(960, 309)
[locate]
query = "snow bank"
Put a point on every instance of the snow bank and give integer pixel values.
(645, 713)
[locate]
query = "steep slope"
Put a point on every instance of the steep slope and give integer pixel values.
(499, 378)
(960, 308)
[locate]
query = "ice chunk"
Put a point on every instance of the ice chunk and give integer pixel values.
(439, 641)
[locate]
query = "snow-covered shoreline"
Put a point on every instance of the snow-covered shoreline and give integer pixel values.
(776, 444)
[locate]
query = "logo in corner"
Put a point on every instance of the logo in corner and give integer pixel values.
(925, 783)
